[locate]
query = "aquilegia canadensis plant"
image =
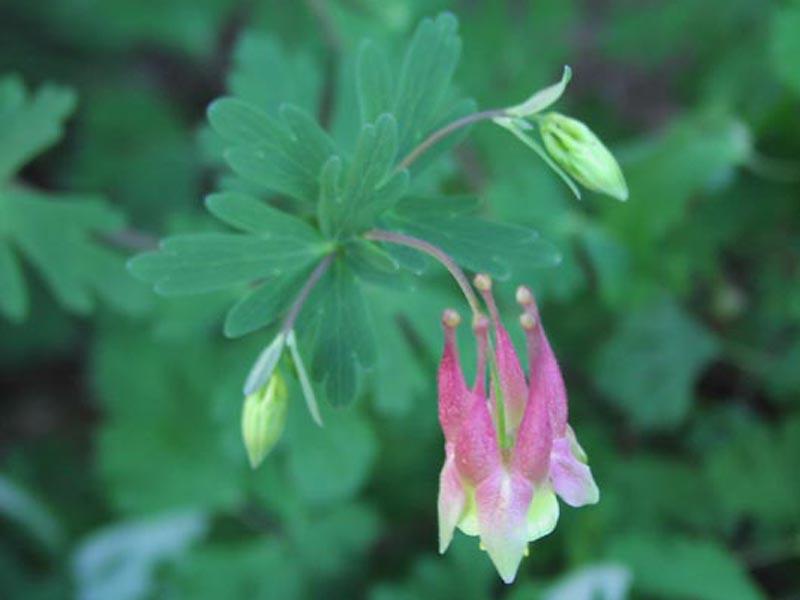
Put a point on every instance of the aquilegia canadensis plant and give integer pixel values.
(316, 218)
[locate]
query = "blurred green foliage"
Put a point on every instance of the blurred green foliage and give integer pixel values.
(675, 315)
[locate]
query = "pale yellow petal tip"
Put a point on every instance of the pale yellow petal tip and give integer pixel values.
(507, 560)
(508, 574)
(594, 498)
(444, 540)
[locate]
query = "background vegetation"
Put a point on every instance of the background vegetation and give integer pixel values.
(675, 315)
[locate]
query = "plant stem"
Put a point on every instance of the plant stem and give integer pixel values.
(130, 239)
(302, 296)
(442, 133)
(401, 239)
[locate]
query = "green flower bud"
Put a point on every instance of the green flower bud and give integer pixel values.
(264, 418)
(577, 150)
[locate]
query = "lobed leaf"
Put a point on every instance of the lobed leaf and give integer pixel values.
(344, 339)
(284, 154)
(352, 198)
(263, 305)
(425, 77)
(264, 74)
(59, 237)
(29, 123)
(204, 262)
(475, 243)
(373, 82)
(703, 570)
(650, 363)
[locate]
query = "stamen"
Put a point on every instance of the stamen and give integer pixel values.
(525, 297)
(451, 319)
(527, 321)
(484, 284)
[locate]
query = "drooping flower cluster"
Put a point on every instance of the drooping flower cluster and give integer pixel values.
(508, 453)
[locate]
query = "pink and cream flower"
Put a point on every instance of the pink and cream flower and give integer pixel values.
(507, 454)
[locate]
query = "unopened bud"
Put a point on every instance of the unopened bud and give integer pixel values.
(577, 150)
(264, 418)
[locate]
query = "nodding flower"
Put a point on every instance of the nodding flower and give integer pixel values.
(507, 454)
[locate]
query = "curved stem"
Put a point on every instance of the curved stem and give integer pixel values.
(302, 296)
(381, 235)
(442, 133)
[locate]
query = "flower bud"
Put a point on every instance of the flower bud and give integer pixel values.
(264, 418)
(582, 155)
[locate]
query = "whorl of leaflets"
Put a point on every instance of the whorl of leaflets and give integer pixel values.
(508, 453)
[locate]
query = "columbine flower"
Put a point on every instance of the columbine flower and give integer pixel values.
(505, 455)
(582, 155)
(570, 148)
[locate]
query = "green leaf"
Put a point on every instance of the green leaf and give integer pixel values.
(13, 297)
(369, 261)
(406, 323)
(284, 155)
(344, 338)
(420, 208)
(266, 264)
(425, 77)
(695, 154)
(267, 76)
(20, 506)
(373, 82)
(169, 408)
(204, 262)
(329, 464)
(351, 203)
(477, 244)
(250, 215)
(241, 123)
(257, 570)
(263, 305)
(350, 528)
(331, 201)
(785, 44)
(29, 123)
(752, 470)
(696, 570)
(649, 365)
(374, 157)
(59, 236)
(457, 109)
